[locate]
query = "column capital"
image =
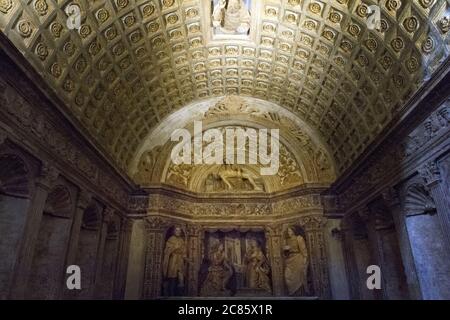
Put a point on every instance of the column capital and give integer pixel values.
(157, 223)
(193, 230)
(346, 225)
(391, 197)
(47, 175)
(337, 234)
(430, 173)
(108, 214)
(364, 213)
(126, 224)
(274, 230)
(311, 223)
(84, 199)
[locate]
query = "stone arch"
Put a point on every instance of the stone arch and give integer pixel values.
(257, 112)
(15, 191)
(14, 176)
(312, 160)
(52, 242)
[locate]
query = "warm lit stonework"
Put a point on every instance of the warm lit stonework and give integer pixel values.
(87, 113)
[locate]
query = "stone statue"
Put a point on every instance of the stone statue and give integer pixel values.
(296, 263)
(258, 269)
(231, 17)
(230, 171)
(174, 263)
(219, 273)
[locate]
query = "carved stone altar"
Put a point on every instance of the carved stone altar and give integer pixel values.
(243, 257)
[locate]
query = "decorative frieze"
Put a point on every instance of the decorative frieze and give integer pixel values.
(228, 207)
(398, 157)
(41, 130)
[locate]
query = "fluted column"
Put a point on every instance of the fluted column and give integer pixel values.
(194, 256)
(350, 259)
(392, 201)
(108, 214)
(155, 232)
(363, 251)
(84, 199)
(43, 184)
(274, 238)
(375, 247)
(318, 259)
(122, 260)
(432, 177)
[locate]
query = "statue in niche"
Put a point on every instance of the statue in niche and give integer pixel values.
(296, 263)
(258, 269)
(231, 17)
(174, 264)
(218, 274)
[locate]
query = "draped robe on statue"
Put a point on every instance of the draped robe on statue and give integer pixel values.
(257, 274)
(173, 263)
(219, 273)
(296, 264)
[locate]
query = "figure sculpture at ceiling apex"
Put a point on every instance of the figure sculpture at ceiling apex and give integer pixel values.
(231, 17)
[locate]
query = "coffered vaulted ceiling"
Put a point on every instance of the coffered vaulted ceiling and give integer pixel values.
(132, 63)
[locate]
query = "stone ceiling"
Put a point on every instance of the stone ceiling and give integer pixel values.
(133, 63)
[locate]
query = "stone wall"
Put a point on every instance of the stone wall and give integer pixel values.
(59, 200)
(395, 207)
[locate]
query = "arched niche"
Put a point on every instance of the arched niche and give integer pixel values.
(297, 164)
(15, 191)
(305, 149)
(427, 241)
(46, 277)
